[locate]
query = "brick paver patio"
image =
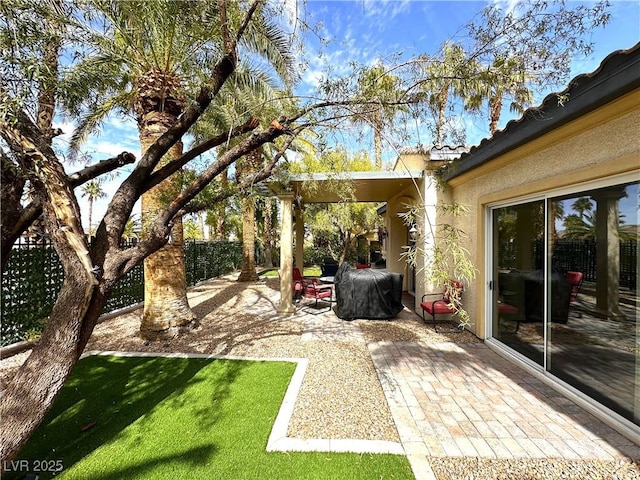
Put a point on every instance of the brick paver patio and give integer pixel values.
(456, 400)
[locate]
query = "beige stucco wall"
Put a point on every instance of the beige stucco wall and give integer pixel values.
(397, 231)
(411, 160)
(601, 144)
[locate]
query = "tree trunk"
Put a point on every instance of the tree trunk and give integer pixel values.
(219, 226)
(495, 108)
(203, 231)
(443, 100)
(377, 140)
(220, 209)
(12, 182)
(248, 272)
(37, 383)
(268, 233)
(166, 307)
(345, 246)
(158, 105)
(90, 206)
(248, 165)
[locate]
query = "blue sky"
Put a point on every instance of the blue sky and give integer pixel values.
(367, 30)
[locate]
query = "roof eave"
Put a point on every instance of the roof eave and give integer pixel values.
(616, 76)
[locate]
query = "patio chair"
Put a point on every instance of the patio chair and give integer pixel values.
(507, 311)
(298, 284)
(447, 303)
(319, 292)
(329, 269)
(575, 280)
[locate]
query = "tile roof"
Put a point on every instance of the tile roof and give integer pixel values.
(617, 75)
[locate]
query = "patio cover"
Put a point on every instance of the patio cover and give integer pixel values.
(379, 186)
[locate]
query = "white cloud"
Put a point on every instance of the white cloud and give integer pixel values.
(384, 10)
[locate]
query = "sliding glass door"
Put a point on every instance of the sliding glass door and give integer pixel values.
(595, 245)
(518, 282)
(564, 288)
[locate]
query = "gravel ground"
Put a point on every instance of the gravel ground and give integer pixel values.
(341, 396)
(532, 469)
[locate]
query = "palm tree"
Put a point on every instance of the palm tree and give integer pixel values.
(376, 83)
(156, 50)
(245, 167)
(506, 77)
(582, 205)
(270, 215)
(444, 79)
(93, 191)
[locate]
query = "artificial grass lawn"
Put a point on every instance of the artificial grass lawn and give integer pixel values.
(181, 418)
(308, 272)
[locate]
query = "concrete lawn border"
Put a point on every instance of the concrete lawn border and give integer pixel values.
(278, 440)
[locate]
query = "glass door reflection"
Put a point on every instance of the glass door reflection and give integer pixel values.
(518, 284)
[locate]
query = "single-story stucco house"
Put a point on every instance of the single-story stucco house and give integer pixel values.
(553, 229)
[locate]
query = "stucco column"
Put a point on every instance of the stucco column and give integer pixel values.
(300, 239)
(286, 255)
(608, 253)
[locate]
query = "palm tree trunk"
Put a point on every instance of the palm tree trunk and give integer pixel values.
(495, 108)
(443, 100)
(166, 307)
(248, 272)
(90, 199)
(248, 165)
(221, 207)
(268, 233)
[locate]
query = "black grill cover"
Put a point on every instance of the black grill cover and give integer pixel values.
(367, 293)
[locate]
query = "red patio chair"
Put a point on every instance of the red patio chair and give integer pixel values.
(575, 279)
(319, 292)
(298, 284)
(511, 312)
(447, 303)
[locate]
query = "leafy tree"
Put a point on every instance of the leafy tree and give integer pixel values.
(131, 229)
(159, 49)
(192, 230)
(582, 225)
(92, 271)
(582, 205)
(579, 226)
(341, 223)
(506, 77)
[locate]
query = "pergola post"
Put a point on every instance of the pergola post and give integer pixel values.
(286, 255)
(608, 252)
(300, 239)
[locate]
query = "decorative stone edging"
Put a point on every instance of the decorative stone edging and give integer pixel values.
(278, 440)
